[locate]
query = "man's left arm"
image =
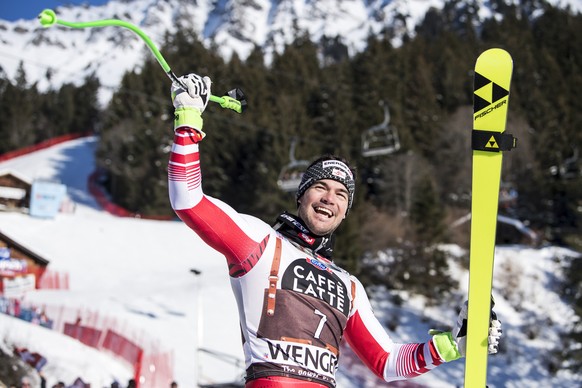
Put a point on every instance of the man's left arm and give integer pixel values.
(392, 361)
(388, 360)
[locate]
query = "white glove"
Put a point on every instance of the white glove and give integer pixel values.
(460, 331)
(453, 345)
(197, 94)
(495, 332)
(190, 103)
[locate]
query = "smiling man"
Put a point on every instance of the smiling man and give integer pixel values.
(295, 305)
(325, 194)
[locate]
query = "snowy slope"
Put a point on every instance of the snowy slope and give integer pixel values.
(138, 271)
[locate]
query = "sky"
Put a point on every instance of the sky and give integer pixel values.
(13, 10)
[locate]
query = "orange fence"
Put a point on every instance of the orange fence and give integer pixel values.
(87, 335)
(42, 145)
(103, 200)
(152, 366)
(156, 368)
(53, 280)
(124, 348)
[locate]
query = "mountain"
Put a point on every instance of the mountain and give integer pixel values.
(56, 55)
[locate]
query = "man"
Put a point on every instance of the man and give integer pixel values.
(295, 305)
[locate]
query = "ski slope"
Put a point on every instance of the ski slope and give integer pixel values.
(137, 271)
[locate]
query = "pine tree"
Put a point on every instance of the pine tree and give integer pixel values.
(133, 144)
(87, 110)
(427, 221)
(426, 213)
(20, 108)
(5, 88)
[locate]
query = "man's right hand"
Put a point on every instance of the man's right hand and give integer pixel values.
(190, 99)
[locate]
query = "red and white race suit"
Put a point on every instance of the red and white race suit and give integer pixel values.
(295, 307)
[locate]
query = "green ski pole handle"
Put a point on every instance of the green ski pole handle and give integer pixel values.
(234, 100)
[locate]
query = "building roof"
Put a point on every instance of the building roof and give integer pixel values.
(13, 244)
(16, 175)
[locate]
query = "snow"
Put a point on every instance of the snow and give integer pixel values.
(58, 55)
(138, 272)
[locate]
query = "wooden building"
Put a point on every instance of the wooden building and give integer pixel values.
(20, 268)
(14, 191)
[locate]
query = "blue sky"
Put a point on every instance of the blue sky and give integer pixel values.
(19, 9)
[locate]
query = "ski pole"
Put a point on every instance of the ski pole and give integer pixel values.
(235, 100)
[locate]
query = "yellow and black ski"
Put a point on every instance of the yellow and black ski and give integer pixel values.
(492, 80)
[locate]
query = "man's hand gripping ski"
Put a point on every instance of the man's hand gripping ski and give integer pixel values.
(453, 345)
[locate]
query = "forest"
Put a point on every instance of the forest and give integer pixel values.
(314, 98)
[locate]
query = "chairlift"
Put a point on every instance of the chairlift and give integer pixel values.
(381, 139)
(569, 168)
(291, 174)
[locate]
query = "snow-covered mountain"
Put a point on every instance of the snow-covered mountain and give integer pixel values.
(56, 55)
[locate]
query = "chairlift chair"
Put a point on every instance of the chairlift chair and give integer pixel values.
(291, 174)
(381, 139)
(569, 169)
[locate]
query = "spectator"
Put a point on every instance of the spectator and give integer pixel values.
(25, 382)
(79, 383)
(174, 384)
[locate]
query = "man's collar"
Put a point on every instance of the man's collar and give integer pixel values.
(295, 230)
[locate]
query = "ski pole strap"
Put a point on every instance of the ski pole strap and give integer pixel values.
(492, 141)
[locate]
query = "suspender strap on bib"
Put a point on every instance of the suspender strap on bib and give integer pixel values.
(274, 278)
(353, 284)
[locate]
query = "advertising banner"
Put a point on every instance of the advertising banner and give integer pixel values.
(10, 266)
(18, 286)
(46, 198)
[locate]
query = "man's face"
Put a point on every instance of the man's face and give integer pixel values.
(323, 206)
